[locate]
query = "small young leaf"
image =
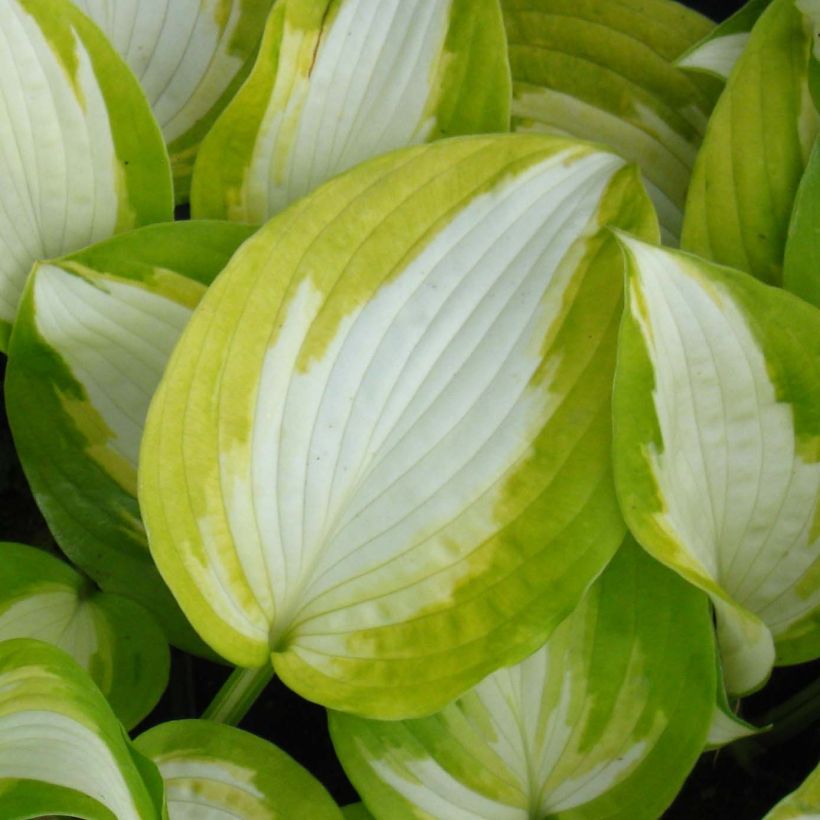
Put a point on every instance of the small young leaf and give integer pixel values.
(716, 457)
(602, 71)
(190, 58)
(380, 454)
(62, 751)
(726, 726)
(212, 770)
(94, 334)
(755, 150)
(339, 81)
(81, 157)
(604, 721)
(114, 639)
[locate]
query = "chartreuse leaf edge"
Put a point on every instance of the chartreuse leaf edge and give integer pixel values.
(378, 502)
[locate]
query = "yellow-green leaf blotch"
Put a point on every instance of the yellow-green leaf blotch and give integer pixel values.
(380, 455)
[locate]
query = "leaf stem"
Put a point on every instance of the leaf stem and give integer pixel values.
(239, 692)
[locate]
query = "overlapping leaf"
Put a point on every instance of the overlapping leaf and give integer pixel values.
(94, 335)
(381, 449)
(62, 751)
(81, 156)
(339, 81)
(718, 52)
(755, 151)
(727, 726)
(603, 71)
(111, 637)
(716, 449)
(605, 720)
(212, 771)
(190, 57)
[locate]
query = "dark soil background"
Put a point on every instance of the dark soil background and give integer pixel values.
(741, 782)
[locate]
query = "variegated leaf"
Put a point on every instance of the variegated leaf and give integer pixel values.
(727, 726)
(380, 454)
(114, 639)
(756, 148)
(339, 81)
(604, 721)
(81, 157)
(190, 57)
(94, 334)
(212, 771)
(603, 71)
(718, 52)
(716, 449)
(62, 751)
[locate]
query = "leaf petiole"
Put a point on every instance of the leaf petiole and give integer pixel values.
(238, 694)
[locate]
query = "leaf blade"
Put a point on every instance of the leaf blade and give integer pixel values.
(64, 86)
(338, 83)
(222, 770)
(94, 332)
(572, 731)
(372, 464)
(715, 462)
(58, 730)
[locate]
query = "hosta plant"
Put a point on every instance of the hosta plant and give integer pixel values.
(432, 422)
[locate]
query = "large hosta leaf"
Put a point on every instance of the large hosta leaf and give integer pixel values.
(95, 331)
(213, 771)
(190, 57)
(380, 451)
(114, 639)
(603, 71)
(339, 81)
(755, 150)
(62, 751)
(81, 156)
(604, 721)
(716, 449)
